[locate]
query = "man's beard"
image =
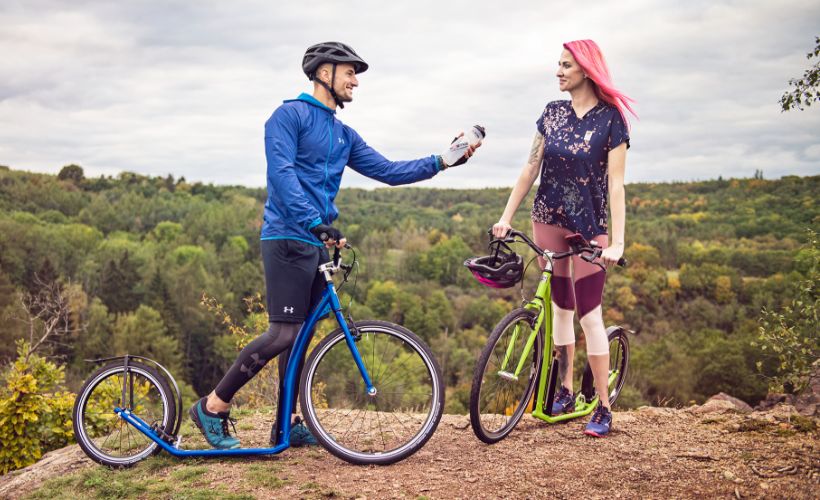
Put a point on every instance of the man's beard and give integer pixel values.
(344, 97)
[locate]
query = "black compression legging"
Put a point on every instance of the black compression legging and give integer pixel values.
(254, 356)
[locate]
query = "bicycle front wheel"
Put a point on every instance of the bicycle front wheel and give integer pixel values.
(505, 375)
(372, 429)
(102, 434)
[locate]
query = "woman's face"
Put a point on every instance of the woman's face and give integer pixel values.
(570, 75)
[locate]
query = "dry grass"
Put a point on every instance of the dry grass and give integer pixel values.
(653, 452)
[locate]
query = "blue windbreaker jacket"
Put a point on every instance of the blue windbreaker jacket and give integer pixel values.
(307, 149)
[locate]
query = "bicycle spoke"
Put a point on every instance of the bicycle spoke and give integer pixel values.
(378, 426)
(381, 432)
(497, 402)
(107, 437)
(381, 368)
(395, 371)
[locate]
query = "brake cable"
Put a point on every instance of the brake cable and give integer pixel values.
(349, 269)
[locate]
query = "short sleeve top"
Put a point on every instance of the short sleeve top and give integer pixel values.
(574, 170)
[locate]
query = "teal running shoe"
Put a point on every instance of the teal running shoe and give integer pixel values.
(300, 435)
(213, 426)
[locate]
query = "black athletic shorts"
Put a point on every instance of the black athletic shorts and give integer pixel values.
(292, 279)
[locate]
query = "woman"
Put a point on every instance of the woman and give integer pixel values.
(580, 150)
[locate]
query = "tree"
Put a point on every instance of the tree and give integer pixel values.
(807, 89)
(8, 332)
(72, 173)
(120, 284)
(35, 416)
(95, 339)
(48, 314)
(143, 333)
(789, 335)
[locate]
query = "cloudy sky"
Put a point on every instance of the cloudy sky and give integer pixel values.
(185, 87)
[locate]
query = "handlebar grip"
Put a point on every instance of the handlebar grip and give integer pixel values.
(336, 256)
(622, 262)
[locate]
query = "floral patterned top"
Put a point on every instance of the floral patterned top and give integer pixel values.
(574, 171)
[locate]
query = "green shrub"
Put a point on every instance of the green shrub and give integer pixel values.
(789, 335)
(34, 416)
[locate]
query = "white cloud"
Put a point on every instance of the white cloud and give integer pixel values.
(181, 87)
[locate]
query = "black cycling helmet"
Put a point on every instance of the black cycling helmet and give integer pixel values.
(503, 268)
(331, 52)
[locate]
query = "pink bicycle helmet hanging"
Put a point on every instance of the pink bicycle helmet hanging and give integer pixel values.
(503, 268)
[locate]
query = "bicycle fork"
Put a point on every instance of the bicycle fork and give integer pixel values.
(350, 340)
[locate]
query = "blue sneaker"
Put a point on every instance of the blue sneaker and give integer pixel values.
(213, 426)
(300, 435)
(601, 422)
(564, 402)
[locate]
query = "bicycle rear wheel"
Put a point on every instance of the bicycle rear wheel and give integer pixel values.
(102, 434)
(499, 397)
(379, 429)
(618, 365)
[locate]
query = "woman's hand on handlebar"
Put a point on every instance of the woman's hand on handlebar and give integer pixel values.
(501, 229)
(612, 254)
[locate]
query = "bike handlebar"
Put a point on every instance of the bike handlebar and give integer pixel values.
(589, 251)
(337, 258)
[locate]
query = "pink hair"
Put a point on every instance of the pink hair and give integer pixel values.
(589, 57)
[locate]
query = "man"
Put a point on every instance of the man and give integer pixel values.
(307, 149)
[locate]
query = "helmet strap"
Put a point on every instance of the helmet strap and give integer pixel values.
(329, 88)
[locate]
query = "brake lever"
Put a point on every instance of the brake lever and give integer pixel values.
(596, 254)
(590, 256)
(336, 256)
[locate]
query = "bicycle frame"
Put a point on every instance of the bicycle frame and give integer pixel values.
(548, 373)
(328, 303)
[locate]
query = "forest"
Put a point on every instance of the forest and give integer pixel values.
(171, 270)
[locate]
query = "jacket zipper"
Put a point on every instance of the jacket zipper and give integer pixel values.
(327, 161)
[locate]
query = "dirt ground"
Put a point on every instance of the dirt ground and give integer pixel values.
(651, 452)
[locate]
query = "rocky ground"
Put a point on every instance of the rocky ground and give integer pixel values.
(714, 450)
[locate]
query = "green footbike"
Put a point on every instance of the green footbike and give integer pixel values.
(519, 357)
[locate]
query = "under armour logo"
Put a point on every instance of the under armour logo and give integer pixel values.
(289, 310)
(257, 364)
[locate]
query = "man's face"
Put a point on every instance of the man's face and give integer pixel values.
(345, 79)
(345, 82)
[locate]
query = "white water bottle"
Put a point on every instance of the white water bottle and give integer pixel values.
(460, 145)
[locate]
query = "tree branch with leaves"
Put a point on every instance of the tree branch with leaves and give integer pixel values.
(807, 89)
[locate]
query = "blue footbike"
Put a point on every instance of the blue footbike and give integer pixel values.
(371, 392)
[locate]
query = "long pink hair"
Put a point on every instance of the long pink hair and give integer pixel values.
(589, 57)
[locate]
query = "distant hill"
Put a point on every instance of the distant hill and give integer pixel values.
(706, 257)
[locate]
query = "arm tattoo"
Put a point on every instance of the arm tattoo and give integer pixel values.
(563, 363)
(536, 151)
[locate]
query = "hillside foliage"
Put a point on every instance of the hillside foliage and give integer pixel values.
(137, 254)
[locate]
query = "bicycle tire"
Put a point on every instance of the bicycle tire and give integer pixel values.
(618, 364)
(512, 393)
(94, 415)
(410, 394)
